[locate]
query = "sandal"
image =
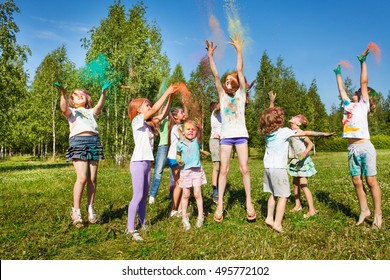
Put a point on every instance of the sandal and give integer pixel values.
(218, 216)
(92, 217)
(251, 214)
(76, 218)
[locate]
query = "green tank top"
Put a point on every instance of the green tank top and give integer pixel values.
(164, 132)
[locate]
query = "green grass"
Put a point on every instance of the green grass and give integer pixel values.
(36, 198)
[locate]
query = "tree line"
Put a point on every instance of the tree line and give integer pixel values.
(31, 121)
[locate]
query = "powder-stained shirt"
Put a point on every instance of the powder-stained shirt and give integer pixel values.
(190, 153)
(216, 123)
(276, 148)
(233, 115)
(143, 140)
(355, 121)
(82, 120)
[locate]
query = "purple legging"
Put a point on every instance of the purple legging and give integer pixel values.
(140, 177)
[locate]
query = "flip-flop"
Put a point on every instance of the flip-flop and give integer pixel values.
(251, 214)
(218, 216)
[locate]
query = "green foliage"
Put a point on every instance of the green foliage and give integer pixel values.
(336, 144)
(13, 78)
(37, 199)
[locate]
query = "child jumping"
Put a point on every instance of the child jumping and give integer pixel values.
(191, 173)
(301, 167)
(361, 152)
(276, 179)
(85, 149)
(140, 112)
(232, 98)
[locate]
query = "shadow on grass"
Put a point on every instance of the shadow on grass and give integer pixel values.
(108, 215)
(33, 166)
(324, 197)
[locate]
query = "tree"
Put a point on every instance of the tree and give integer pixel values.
(133, 49)
(203, 91)
(13, 79)
(45, 112)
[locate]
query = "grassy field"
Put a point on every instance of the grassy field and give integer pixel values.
(36, 198)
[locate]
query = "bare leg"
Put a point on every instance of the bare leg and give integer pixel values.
(377, 200)
(242, 154)
(225, 154)
(280, 208)
(199, 201)
(184, 201)
(309, 197)
(177, 192)
(91, 181)
(82, 172)
(362, 197)
(270, 211)
(297, 195)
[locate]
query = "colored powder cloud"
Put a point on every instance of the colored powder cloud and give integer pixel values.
(218, 36)
(234, 21)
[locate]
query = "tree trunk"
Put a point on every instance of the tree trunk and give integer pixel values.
(54, 133)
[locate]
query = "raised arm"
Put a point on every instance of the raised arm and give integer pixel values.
(164, 111)
(340, 83)
(272, 97)
(170, 90)
(364, 75)
(97, 110)
(64, 105)
(210, 52)
(237, 43)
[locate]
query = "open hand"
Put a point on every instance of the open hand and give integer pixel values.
(236, 41)
(210, 48)
(106, 85)
(272, 95)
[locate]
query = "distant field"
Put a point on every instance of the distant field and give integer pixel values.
(36, 198)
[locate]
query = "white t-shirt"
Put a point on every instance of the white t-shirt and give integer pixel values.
(355, 121)
(233, 115)
(175, 138)
(276, 152)
(216, 123)
(143, 139)
(82, 120)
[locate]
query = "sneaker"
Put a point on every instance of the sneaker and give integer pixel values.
(76, 218)
(142, 227)
(92, 217)
(199, 222)
(151, 199)
(134, 235)
(186, 224)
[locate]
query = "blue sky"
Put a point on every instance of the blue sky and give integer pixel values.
(310, 36)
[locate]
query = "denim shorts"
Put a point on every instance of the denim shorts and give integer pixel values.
(172, 163)
(86, 147)
(234, 141)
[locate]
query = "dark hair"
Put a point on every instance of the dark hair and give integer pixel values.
(213, 105)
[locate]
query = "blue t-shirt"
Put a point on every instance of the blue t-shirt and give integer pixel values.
(190, 153)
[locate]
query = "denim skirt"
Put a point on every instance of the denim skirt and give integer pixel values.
(85, 147)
